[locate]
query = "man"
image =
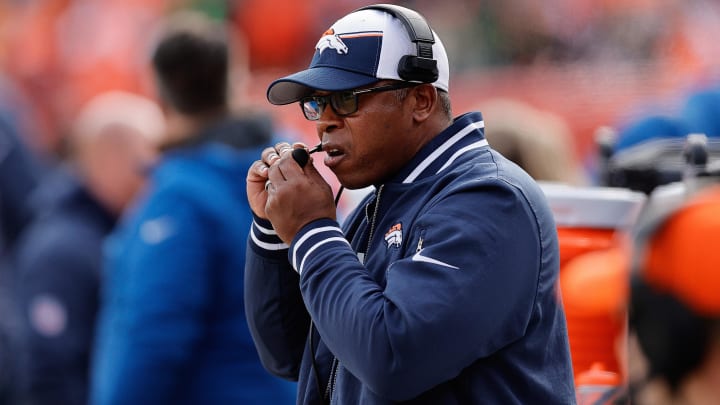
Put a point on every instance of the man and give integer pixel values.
(57, 261)
(441, 288)
(173, 327)
(674, 350)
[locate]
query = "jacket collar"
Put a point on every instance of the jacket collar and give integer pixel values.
(239, 132)
(465, 134)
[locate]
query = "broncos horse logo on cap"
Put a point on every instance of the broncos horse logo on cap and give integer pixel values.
(331, 40)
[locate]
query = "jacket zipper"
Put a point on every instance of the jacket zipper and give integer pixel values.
(374, 219)
(331, 380)
(335, 363)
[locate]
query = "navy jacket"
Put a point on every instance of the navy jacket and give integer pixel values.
(454, 302)
(57, 264)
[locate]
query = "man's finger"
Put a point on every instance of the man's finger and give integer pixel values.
(258, 171)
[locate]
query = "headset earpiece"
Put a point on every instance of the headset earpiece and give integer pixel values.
(420, 67)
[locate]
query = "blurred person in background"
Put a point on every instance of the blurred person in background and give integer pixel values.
(172, 326)
(674, 343)
(22, 167)
(20, 172)
(540, 142)
(57, 261)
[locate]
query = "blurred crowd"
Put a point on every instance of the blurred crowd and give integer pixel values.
(607, 56)
(591, 94)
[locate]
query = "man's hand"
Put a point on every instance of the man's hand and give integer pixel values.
(256, 179)
(286, 194)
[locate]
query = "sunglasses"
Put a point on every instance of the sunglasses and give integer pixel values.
(343, 102)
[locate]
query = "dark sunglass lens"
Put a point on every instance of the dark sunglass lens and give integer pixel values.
(344, 103)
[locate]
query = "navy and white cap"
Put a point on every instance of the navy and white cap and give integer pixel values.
(360, 49)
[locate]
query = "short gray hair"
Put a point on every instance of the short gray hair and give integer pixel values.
(443, 97)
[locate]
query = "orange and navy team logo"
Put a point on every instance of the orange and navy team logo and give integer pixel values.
(394, 236)
(331, 40)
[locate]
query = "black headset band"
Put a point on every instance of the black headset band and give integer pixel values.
(415, 24)
(421, 66)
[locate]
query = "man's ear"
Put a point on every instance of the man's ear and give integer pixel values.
(426, 99)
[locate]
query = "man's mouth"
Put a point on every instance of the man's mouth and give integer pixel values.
(334, 155)
(334, 152)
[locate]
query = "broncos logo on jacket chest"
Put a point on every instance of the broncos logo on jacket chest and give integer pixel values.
(394, 236)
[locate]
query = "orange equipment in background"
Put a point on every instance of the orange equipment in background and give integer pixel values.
(593, 225)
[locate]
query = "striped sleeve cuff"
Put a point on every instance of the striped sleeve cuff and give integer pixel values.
(314, 238)
(264, 236)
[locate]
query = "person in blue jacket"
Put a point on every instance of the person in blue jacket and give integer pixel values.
(441, 287)
(172, 326)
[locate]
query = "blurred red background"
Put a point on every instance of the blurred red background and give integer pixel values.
(593, 62)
